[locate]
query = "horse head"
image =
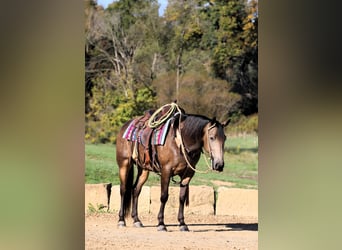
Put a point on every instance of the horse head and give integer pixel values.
(214, 139)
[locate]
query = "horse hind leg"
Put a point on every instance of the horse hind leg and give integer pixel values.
(126, 174)
(140, 181)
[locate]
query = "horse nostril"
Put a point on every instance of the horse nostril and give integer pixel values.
(219, 166)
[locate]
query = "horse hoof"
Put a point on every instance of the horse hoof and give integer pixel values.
(121, 224)
(184, 228)
(138, 224)
(162, 228)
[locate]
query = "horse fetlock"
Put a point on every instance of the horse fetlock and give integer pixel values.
(181, 220)
(161, 218)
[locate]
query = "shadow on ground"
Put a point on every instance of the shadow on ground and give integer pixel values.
(217, 227)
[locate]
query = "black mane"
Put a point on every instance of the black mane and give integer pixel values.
(193, 126)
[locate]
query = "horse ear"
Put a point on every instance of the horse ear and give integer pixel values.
(226, 123)
(213, 121)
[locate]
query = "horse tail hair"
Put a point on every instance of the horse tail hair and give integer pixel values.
(129, 190)
(187, 196)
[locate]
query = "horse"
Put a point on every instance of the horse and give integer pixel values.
(194, 133)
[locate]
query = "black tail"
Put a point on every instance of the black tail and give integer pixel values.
(129, 189)
(187, 196)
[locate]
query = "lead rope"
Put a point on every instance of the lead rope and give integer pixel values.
(179, 134)
(189, 164)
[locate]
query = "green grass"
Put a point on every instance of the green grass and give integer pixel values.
(241, 165)
(100, 163)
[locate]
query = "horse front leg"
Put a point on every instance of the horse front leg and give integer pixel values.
(140, 181)
(164, 195)
(183, 199)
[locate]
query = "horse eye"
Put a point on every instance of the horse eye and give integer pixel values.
(211, 138)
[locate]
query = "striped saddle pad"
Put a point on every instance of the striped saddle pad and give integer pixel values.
(134, 133)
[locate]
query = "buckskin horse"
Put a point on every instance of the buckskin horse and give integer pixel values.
(185, 140)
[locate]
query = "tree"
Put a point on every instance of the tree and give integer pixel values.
(115, 42)
(209, 96)
(182, 16)
(235, 55)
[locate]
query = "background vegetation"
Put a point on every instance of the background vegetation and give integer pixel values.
(202, 53)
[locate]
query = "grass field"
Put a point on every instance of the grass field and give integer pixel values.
(241, 165)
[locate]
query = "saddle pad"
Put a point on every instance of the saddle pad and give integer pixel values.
(159, 134)
(132, 133)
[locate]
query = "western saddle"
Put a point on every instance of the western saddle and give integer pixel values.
(144, 139)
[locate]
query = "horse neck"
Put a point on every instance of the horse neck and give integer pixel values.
(193, 131)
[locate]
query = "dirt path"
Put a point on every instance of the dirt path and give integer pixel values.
(206, 232)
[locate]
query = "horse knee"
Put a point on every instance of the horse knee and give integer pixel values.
(164, 197)
(136, 192)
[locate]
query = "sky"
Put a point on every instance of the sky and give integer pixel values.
(163, 4)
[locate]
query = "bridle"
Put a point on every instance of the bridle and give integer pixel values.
(208, 139)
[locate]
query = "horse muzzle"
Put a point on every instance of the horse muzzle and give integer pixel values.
(218, 166)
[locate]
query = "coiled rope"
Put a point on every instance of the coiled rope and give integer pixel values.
(153, 123)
